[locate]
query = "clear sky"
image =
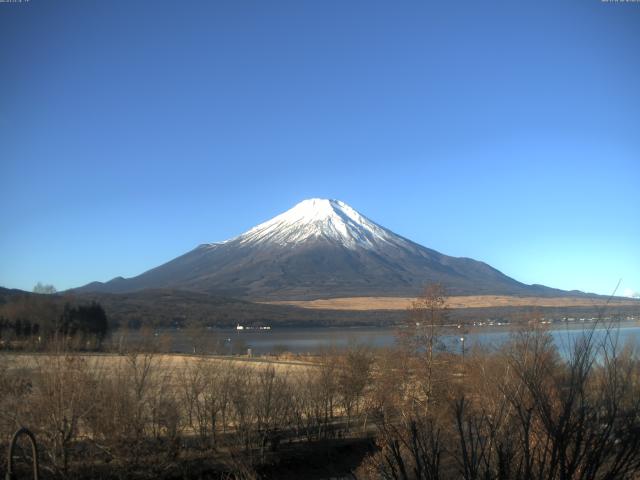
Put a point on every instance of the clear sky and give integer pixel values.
(132, 131)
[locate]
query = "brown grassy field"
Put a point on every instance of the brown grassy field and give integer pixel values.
(174, 364)
(473, 301)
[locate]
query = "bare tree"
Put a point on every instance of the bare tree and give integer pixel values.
(272, 407)
(45, 289)
(195, 335)
(60, 401)
(427, 316)
(354, 375)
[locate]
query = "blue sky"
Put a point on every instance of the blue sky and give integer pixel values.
(130, 132)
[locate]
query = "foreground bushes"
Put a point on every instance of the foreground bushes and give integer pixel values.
(523, 414)
(146, 413)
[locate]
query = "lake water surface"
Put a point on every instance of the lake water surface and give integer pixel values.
(313, 340)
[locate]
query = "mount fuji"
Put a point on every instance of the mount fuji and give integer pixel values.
(320, 249)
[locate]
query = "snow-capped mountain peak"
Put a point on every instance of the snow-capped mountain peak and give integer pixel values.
(319, 218)
(318, 249)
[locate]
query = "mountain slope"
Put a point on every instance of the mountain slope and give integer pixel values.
(320, 248)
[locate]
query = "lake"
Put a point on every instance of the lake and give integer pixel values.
(312, 340)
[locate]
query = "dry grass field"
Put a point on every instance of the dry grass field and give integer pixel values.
(173, 364)
(473, 301)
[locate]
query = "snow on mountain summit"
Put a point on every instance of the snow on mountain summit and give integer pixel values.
(319, 218)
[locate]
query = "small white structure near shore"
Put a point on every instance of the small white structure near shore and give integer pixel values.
(242, 327)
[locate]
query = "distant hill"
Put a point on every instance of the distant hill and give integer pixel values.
(8, 293)
(165, 307)
(321, 249)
